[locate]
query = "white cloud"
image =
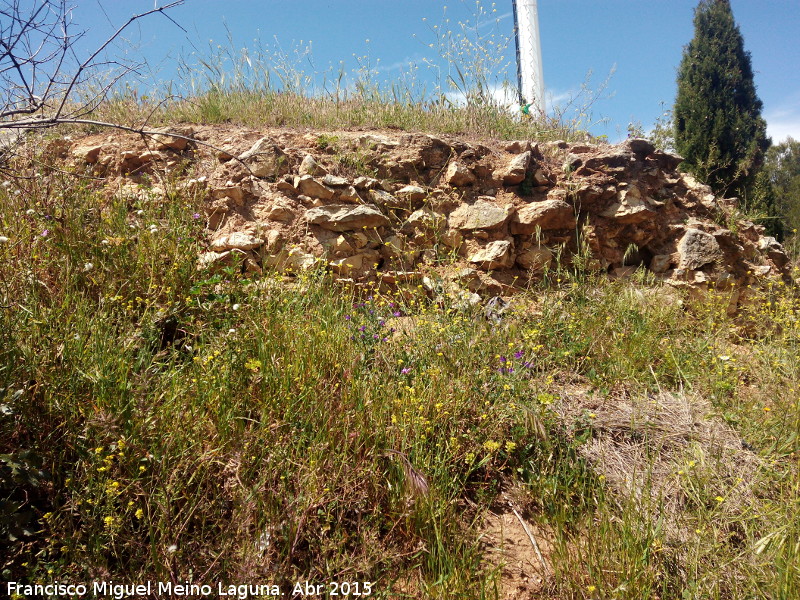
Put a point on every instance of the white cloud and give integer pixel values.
(404, 64)
(784, 120)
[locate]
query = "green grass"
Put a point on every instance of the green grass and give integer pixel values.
(160, 422)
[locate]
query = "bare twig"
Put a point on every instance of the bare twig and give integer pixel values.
(37, 43)
(535, 545)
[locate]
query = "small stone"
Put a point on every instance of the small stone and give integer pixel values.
(366, 183)
(660, 263)
(496, 255)
(480, 215)
(281, 211)
(514, 172)
(697, 249)
(630, 207)
(548, 214)
(382, 198)
(265, 159)
(334, 181)
(535, 259)
(309, 166)
(458, 175)
(239, 240)
(411, 192)
(308, 186)
(349, 194)
(346, 218)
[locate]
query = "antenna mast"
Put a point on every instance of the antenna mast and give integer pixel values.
(530, 79)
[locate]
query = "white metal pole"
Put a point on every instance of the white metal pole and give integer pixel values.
(529, 54)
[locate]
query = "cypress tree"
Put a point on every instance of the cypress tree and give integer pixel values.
(718, 125)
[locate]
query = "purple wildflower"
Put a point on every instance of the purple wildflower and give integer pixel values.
(405, 370)
(362, 328)
(519, 354)
(196, 216)
(347, 317)
(45, 232)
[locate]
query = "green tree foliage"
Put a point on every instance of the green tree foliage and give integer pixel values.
(782, 171)
(718, 125)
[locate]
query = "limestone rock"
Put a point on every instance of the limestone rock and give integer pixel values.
(548, 214)
(349, 194)
(774, 250)
(660, 263)
(514, 172)
(630, 207)
(309, 166)
(381, 198)
(535, 259)
(639, 146)
(299, 260)
(334, 181)
(265, 159)
(346, 218)
(238, 240)
(88, 153)
(281, 211)
(424, 218)
(697, 249)
(458, 175)
(366, 183)
(166, 138)
(481, 215)
(496, 255)
(411, 192)
(339, 246)
(308, 186)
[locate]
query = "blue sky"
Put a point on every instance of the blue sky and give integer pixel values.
(637, 42)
